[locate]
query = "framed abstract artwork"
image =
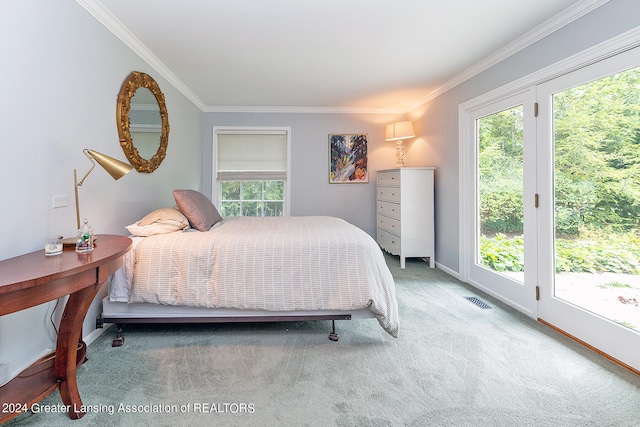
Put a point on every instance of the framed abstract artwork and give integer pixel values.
(348, 158)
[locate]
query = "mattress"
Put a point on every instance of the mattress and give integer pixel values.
(274, 264)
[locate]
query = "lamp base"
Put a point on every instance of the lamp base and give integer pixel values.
(399, 154)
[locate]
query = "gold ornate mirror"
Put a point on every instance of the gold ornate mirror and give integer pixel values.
(143, 122)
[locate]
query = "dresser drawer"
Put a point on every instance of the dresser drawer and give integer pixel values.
(389, 224)
(390, 194)
(389, 178)
(389, 209)
(388, 241)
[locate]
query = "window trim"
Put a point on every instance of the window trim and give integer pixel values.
(256, 130)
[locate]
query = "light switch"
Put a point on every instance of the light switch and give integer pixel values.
(60, 201)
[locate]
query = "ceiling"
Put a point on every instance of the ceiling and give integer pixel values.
(326, 55)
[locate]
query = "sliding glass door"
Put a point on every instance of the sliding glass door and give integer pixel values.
(589, 179)
(550, 202)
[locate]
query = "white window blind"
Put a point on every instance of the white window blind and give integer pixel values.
(251, 156)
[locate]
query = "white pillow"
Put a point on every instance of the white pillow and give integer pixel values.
(164, 214)
(160, 221)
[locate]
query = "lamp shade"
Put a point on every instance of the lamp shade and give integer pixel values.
(399, 131)
(114, 167)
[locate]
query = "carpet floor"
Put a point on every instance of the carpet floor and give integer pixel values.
(453, 364)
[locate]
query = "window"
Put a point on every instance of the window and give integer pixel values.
(252, 198)
(250, 170)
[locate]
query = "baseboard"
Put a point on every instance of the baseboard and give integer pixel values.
(447, 270)
(590, 347)
(502, 299)
(15, 372)
(5, 373)
(92, 336)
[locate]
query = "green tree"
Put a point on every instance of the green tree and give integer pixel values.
(597, 129)
(500, 171)
(597, 179)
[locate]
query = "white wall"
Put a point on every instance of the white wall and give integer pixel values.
(437, 121)
(60, 76)
(311, 193)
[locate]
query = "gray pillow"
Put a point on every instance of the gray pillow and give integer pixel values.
(198, 209)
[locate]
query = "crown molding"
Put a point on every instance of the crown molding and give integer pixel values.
(106, 18)
(308, 110)
(553, 24)
(607, 49)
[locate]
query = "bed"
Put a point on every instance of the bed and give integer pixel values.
(248, 269)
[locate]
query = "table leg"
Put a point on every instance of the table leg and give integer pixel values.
(66, 348)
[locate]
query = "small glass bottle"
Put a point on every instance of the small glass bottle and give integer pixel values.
(84, 242)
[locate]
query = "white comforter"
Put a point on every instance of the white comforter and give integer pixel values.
(273, 264)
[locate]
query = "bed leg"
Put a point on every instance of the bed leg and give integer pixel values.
(334, 336)
(119, 339)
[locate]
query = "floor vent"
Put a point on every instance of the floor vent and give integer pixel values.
(477, 301)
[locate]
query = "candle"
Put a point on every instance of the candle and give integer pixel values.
(53, 245)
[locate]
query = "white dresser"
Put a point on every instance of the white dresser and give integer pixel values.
(404, 213)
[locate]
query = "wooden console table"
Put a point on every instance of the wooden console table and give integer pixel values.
(32, 279)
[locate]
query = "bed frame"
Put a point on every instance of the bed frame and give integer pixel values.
(123, 313)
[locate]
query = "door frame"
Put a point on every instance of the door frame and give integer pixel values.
(612, 47)
(520, 295)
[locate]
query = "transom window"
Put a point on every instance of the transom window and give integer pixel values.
(250, 170)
